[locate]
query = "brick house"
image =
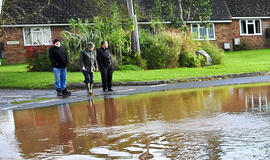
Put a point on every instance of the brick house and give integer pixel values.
(232, 22)
(236, 21)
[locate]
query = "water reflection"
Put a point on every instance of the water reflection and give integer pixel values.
(257, 101)
(9, 147)
(110, 112)
(211, 123)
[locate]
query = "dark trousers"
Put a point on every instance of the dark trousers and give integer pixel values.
(88, 77)
(106, 76)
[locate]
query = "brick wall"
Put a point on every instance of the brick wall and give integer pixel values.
(253, 41)
(15, 53)
(226, 32)
(56, 32)
(223, 34)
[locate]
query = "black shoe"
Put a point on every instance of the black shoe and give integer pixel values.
(104, 89)
(110, 90)
(65, 92)
(59, 92)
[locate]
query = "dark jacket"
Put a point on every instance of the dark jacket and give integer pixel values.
(104, 58)
(88, 60)
(58, 57)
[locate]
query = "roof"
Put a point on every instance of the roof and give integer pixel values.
(30, 12)
(220, 10)
(50, 11)
(249, 8)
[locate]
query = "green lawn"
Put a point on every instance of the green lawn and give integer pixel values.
(15, 76)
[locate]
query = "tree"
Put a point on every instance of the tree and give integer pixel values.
(194, 9)
(179, 12)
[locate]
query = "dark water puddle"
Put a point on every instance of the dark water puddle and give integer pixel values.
(211, 123)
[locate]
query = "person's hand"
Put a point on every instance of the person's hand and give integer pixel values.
(97, 69)
(83, 68)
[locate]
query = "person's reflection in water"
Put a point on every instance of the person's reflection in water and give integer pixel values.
(110, 112)
(92, 112)
(66, 134)
(65, 115)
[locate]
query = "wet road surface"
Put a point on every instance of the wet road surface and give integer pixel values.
(8, 96)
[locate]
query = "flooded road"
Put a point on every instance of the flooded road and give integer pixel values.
(230, 122)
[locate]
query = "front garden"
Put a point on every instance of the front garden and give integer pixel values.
(16, 76)
(167, 52)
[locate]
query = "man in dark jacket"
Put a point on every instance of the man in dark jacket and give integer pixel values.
(104, 60)
(59, 60)
(89, 66)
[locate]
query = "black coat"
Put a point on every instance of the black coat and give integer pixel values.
(58, 57)
(104, 58)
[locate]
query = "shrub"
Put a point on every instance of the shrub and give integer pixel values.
(74, 42)
(189, 45)
(214, 51)
(139, 61)
(3, 61)
(191, 60)
(130, 67)
(188, 57)
(37, 59)
(161, 50)
(135, 59)
(114, 29)
(115, 63)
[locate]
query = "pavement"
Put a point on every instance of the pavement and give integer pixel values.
(9, 96)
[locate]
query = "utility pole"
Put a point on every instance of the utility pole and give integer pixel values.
(135, 41)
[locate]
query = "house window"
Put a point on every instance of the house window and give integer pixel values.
(250, 27)
(201, 32)
(37, 36)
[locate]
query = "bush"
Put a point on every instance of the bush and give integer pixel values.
(214, 51)
(3, 61)
(74, 42)
(189, 45)
(161, 50)
(115, 63)
(130, 68)
(115, 29)
(188, 57)
(191, 60)
(139, 61)
(37, 59)
(135, 59)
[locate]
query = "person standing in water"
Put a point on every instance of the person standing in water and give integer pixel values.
(89, 66)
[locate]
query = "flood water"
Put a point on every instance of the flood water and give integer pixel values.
(230, 122)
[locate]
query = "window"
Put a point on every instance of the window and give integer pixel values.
(37, 36)
(250, 27)
(201, 33)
